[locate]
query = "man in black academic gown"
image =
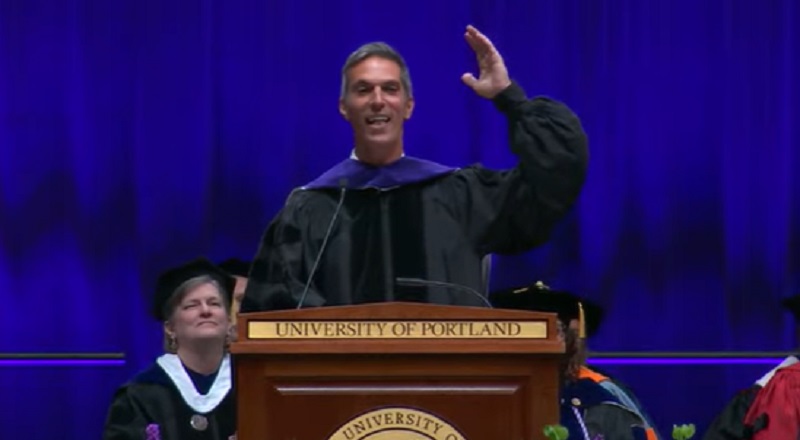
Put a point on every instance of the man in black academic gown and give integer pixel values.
(729, 423)
(380, 215)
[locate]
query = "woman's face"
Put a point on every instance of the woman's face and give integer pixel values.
(201, 315)
(574, 324)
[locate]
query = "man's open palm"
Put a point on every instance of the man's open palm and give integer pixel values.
(493, 76)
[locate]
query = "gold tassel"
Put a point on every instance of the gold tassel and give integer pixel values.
(581, 322)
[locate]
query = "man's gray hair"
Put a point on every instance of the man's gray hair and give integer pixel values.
(381, 50)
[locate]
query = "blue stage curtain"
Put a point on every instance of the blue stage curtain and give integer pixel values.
(135, 134)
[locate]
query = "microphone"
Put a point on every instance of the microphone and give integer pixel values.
(418, 282)
(343, 187)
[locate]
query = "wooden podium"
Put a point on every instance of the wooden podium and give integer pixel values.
(396, 371)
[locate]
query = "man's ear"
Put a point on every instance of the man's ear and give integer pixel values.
(343, 109)
(409, 108)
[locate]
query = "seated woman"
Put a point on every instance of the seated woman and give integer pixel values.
(591, 402)
(187, 393)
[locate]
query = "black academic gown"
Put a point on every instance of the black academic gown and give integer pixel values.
(588, 409)
(729, 424)
(418, 219)
(630, 398)
(153, 398)
(625, 394)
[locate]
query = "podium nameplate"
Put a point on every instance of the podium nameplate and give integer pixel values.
(399, 329)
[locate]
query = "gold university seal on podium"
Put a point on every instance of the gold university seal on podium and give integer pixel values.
(396, 424)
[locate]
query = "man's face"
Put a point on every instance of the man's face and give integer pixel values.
(238, 294)
(375, 103)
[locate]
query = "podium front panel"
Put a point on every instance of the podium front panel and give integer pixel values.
(383, 397)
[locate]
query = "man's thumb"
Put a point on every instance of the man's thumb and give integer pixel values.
(469, 79)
